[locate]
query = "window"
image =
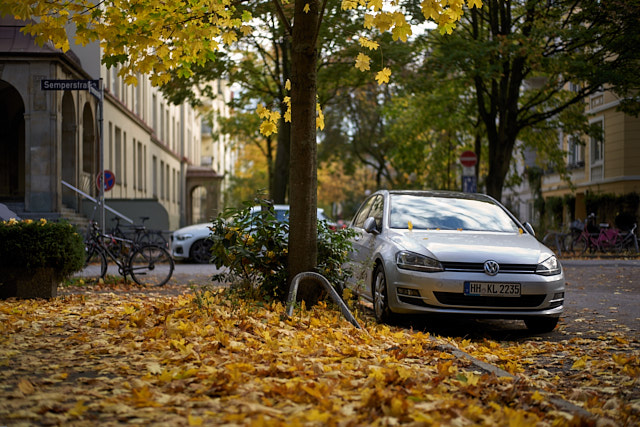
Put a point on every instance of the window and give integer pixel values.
(161, 180)
(117, 166)
(140, 169)
(124, 159)
(575, 153)
(154, 112)
(363, 214)
(596, 149)
(154, 179)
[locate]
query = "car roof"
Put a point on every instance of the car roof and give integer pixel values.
(441, 193)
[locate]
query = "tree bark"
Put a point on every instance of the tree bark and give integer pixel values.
(303, 171)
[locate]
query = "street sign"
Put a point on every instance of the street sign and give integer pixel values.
(47, 84)
(469, 184)
(468, 158)
(109, 180)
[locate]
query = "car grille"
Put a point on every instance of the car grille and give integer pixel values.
(478, 267)
(451, 298)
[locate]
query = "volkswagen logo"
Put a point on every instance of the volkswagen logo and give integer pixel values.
(491, 268)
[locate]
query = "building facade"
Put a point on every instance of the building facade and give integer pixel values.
(53, 143)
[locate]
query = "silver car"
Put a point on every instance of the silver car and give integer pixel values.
(453, 253)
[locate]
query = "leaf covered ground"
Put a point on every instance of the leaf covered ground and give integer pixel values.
(118, 356)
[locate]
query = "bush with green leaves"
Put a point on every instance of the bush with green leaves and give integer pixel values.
(253, 246)
(28, 245)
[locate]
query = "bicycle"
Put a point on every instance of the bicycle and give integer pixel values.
(147, 264)
(139, 233)
(603, 238)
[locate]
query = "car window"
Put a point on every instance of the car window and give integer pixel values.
(363, 213)
(377, 209)
(447, 213)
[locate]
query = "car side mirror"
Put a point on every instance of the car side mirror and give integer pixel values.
(529, 229)
(370, 226)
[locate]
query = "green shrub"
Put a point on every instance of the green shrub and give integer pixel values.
(254, 249)
(27, 245)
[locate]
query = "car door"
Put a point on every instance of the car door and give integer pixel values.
(363, 244)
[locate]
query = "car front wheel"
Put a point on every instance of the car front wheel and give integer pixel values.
(541, 324)
(201, 251)
(380, 296)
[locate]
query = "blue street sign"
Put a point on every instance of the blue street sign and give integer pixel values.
(469, 184)
(109, 180)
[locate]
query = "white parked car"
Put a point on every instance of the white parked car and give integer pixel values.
(453, 253)
(191, 243)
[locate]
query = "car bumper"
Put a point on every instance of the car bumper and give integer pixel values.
(443, 293)
(179, 251)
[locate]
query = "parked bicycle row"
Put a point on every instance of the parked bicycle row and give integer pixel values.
(590, 237)
(140, 254)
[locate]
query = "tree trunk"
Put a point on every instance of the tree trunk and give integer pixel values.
(280, 182)
(303, 179)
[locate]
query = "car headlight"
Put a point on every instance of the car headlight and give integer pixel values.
(180, 237)
(548, 267)
(413, 261)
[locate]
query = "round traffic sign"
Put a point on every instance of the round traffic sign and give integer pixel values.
(468, 158)
(109, 180)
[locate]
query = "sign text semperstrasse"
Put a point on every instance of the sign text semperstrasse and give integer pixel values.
(69, 84)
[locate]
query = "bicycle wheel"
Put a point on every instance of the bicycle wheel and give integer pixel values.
(95, 257)
(156, 238)
(151, 265)
(580, 245)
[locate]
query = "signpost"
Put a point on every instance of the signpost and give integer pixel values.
(95, 88)
(468, 159)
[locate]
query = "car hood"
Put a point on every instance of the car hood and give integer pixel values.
(466, 246)
(196, 229)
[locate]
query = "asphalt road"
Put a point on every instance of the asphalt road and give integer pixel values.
(601, 296)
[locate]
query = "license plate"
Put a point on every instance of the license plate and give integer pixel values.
(492, 289)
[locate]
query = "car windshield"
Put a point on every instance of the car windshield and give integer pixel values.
(447, 213)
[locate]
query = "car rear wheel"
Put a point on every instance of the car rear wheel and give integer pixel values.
(201, 251)
(380, 296)
(541, 324)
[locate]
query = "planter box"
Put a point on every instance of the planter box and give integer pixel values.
(38, 283)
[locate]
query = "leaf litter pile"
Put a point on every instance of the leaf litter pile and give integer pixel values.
(205, 358)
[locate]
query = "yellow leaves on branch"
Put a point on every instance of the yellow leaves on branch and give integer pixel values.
(270, 118)
(386, 17)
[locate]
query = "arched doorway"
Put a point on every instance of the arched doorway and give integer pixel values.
(198, 205)
(12, 148)
(69, 158)
(90, 152)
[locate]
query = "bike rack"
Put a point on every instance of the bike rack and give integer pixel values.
(318, 278)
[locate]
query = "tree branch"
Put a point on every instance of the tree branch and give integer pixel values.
(283, 17)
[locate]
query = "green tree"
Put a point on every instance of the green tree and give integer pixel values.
(155, 37)
(533, 63)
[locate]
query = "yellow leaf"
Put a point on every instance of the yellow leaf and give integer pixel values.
(410, 226)
(580, 363)
(26, 387)
(383, 76)
(369, 44)
(306, 8)
(78, 410)
(537, 396)
(229, 37)
(362, 62)
(287, 86)
(267, 128)
(349, 4)
(474, 3)
(320, 119)
(195, 421)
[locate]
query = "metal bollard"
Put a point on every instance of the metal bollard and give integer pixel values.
(291, 299)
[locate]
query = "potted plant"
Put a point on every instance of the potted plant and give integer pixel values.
(35, 256)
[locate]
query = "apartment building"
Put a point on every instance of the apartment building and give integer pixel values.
(54, 142)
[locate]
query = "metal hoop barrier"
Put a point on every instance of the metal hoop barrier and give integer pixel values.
(318, 278)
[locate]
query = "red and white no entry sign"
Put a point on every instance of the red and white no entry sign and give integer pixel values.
(468, 158)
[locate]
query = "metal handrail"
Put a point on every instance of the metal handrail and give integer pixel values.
(85, 195)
